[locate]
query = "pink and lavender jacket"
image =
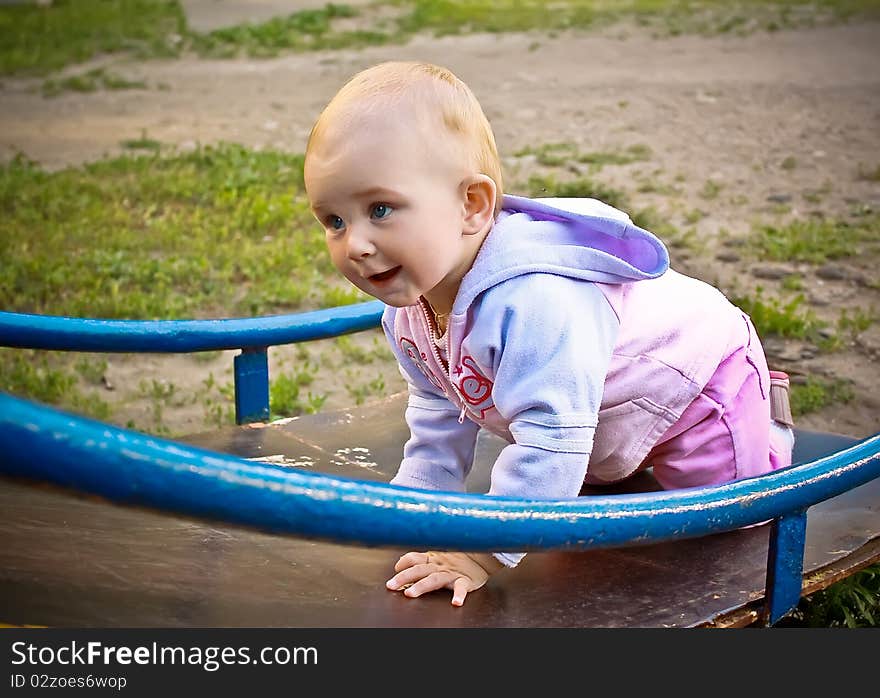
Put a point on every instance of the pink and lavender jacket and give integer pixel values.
(571, 338)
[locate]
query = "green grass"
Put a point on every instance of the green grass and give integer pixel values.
(301, 31)
(559, 154)
(90, 81)
(217, 232)
(817, 393)
(285, 395)
(816, 241)
(783, 318)
(38, 40)
(548, 185)
(853, 602)
(51, 378)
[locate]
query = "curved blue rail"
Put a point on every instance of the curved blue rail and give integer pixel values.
(26, 331)
(132, 468)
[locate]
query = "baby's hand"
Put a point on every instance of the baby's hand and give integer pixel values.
(419, 573)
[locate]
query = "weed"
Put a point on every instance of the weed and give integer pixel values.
(142, 143)
(710, 190)
(694, 216)
(44, 377)
(361, 392)
(793, 282)
(582, 187)
(284, 395)
(815, 241)
(90, 81)
(92, 369)
(772, 316)
(559, 154)
(788, 163)
(816, 394)
(853, 602)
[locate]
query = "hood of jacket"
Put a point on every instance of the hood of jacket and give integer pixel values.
(579, 238)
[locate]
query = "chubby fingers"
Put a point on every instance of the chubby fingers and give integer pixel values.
(411, 559)
(408, 576)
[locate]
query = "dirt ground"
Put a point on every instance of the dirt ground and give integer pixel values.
(783, 125)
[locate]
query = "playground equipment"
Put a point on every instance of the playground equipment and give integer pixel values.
(306, 535)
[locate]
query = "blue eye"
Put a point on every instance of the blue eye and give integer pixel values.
(381, 211)
(335, 222)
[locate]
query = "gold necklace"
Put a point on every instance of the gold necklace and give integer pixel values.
(438, 317)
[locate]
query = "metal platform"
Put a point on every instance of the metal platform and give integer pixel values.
(73, 561)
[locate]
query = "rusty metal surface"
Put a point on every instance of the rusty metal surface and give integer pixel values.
(70, 561)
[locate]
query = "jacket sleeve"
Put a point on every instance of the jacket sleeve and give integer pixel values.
(552, 352)
(551, 349)
(439, 453)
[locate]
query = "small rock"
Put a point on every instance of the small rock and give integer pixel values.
(779, 198)
(770, 272)
(107, 384)
(808, 353)
(833, 272)
(727, 257)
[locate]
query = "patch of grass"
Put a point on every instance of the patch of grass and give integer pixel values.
(37, 40)
(142, 143)
(853, 602)
(817, 393)
(45, 377)
(788, 163)
(793, 282)
(91, 368)
(300, 31)
(361, 391)
(559, 154)
(90, 81)
(221, 231)
(546, 186)
(850, 324)
(355, 354)
(285, 395)
(816, 241)
(710, 190)
(772, 316)
(694, 216)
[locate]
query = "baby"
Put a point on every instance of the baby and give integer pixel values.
(555, 323)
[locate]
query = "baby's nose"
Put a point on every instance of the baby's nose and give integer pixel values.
(359, 244)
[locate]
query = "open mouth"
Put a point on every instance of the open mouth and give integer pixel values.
(384, 276)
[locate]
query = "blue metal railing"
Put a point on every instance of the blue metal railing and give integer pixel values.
(252, 335)
(48, 445)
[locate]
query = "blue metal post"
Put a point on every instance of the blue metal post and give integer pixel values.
(252, 386)
(785, 564)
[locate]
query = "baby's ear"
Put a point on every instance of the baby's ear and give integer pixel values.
(479, 192)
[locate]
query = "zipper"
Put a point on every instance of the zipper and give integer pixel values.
(432, 335)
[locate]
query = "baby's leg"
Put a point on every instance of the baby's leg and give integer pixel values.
(725, 433)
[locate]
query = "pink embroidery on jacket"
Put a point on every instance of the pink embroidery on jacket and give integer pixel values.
(474, 387)
(420, 360)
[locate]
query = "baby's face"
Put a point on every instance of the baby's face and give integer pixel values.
(391, 203)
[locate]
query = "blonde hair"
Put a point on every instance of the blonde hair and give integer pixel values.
(435, 92)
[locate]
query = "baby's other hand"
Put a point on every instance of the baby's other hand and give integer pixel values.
(419, 573)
